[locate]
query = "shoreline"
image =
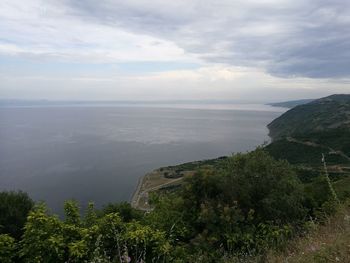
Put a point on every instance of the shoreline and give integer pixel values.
(150, 182)
(136, 191)
(159, 178)
(166, 177)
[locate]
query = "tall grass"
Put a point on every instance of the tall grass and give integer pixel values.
(326, 241)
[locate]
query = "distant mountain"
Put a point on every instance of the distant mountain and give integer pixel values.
(332, 112)
(290, 104)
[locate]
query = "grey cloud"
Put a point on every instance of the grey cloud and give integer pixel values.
(138, 16)
(287, 38)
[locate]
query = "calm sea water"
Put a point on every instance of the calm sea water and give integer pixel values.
(99, 153)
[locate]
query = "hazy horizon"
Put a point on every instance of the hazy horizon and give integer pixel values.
(150, 100)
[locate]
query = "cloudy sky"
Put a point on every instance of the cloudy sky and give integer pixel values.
(263, 50)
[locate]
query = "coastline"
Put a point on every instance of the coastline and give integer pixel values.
(136, 191)
(152, 181)
(167, 177)
(164, 177)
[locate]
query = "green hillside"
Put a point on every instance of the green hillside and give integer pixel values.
(317, 116)
(304, 133)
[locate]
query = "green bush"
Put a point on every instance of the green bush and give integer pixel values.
(254, 202)
(14, 208)
(7, 248)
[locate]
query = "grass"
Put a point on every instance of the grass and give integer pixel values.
(323, 243)
(342, 188)
(328, 242)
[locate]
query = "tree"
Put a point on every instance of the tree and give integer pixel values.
(43, 239)
(90, 215)
(144, 244)
(71, 212)
(256, 181)
(110, 231)
(48, 239)
(124, 209)
(7, 248)
(252, 193)
(168, 216)
(14, 209)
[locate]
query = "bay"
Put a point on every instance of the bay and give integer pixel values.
(98, 153)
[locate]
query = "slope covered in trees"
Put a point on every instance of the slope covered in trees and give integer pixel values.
(307, 132)
(317, 116)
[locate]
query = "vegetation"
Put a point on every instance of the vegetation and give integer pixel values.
(228, 211)
(322, 243)
(328, 242)
(319, 115)
(123, 209)
(305, 133)
(14, 208)
(253, 204)
(337, 139)
(307, 159)
(180, 170)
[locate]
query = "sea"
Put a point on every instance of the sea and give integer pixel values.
(98, 152)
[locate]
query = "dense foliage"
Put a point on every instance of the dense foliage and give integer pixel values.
(308, 159)
(338, 138)
(105, 239)
(319, 115)
(256, 202)
(251, 204)
(14, 208)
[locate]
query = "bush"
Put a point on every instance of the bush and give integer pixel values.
(14, 208)
(7, 248)
(228, 210)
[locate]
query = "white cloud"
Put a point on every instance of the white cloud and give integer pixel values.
(45, 29)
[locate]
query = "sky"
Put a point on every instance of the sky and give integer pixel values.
(242, 50)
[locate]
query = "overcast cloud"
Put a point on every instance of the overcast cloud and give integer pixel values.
(184, 49)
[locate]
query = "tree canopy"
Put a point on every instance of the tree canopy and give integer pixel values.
(14, 208)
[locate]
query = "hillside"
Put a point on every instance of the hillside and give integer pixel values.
(305, 133)
(316, 116)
